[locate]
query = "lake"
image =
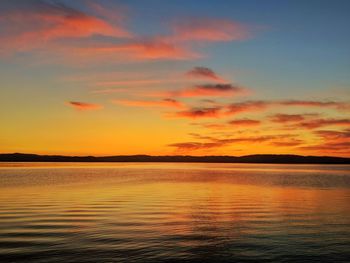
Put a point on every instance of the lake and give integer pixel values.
(174, 212)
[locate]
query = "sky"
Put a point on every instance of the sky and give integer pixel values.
(175, 77)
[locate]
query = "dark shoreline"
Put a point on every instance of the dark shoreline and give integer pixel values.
(258, 158)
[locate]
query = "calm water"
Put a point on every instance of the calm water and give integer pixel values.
(174, 213)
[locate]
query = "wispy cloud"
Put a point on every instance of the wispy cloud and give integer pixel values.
(288, 143)
(213, 142)
(37, 23)
(84, 105)
(329, 147)
(287, 118)
(310, 103)
(141, 49)
(191, 146)
(203, 72)
(209, 90)
(209, 29)
(332, 136)
(195, 113)
(317, 123)
(167, 103)
(247, 106)
(244, 122)
(225, 110)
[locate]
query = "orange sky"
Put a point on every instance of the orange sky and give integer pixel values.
(102, 78)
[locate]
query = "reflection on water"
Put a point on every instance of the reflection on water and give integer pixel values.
(174, 213)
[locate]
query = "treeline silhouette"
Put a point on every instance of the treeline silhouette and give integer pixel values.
(257, 158)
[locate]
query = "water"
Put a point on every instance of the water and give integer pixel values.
(58, 212)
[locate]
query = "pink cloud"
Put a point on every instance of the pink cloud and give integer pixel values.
(333, 136)
(246, 106)
(285, 118)
(37, 25)
(191, 146)
(288, 143)
(317, 123)
(244, 122)
(195, 113)
(203, 72)
(211, 30)
(212, 142)
(169, 103)
(256, 106)
(84, 105)
(308, 103)
(141, 49)
(209, 90)
(339, 148)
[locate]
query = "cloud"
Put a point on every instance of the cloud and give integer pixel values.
(330, 135)
(317, 123)
(288, 143)
(246, 106)
(212, 142)
(37, 23)
(286, 118)
(322, 104)
(238, 123)
(84, 105)
(195, 113)
(136, 82)
(173, 47)
(191, 146)
(329, 147)
(214, 126)
(99, 34)
(257, 105)
(209, 30)
(168, 102)
(141, 49)
(332, 141)
(209, 90)
(203, 72)
(244, 122)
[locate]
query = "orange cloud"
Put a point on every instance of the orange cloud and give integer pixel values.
(259, 105)
(248, 106)
(209, 90)
(135, 82)
(210, 30)
(84, 106)
(212, 142)
(142, 49)
(317, 123)
(245, 106)
(203, 72)
(141, 103)
(244, 122)
(285, 118)
(195, 113)
(191, 146)
(36, 25)
(307, 103)
(288, 143)
(238, 123)
(332, 136)
(340, 148)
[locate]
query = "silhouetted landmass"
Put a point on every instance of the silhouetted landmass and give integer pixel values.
(257, 158)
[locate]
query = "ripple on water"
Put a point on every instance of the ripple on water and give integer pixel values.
(209, 213)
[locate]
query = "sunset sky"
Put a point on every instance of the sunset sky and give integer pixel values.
(175, 77)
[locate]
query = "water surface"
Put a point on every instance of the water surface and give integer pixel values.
(165, 212)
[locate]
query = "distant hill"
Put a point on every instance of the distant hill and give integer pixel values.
(257, 158)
